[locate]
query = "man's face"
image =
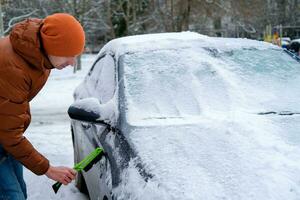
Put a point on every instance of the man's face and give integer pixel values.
(62, 62)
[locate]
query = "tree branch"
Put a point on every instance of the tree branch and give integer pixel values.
(14, 19)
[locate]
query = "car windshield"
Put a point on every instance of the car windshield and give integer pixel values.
(193, 82)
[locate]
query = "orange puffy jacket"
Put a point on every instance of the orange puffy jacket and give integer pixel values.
(24, 69)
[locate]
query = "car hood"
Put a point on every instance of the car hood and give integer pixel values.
(239, 156)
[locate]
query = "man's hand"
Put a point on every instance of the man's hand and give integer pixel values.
(61, 174)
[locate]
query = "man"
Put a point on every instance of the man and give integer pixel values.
(27, 55)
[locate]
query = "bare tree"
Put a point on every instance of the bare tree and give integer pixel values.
(104, 20)
(14, 20)
(90, 14)
(1, 21)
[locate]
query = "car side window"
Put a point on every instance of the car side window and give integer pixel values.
(106, 83)
(104, 79)
(101, 78)
(93, 75)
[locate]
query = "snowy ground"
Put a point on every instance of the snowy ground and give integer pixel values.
(49, 131)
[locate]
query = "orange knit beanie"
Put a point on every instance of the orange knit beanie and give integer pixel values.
(62, 35)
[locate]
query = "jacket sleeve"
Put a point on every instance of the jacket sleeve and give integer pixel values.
(14, 119)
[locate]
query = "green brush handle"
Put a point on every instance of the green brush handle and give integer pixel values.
(56, 186)
(81, 165)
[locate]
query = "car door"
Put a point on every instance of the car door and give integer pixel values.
(100, 83)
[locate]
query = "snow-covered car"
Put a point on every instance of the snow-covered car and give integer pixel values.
(186, 116)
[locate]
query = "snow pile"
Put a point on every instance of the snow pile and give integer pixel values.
(106, 112)
(88, 105)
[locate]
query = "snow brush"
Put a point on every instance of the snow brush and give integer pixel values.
(86, 164)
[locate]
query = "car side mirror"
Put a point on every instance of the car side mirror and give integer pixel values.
(90, 110)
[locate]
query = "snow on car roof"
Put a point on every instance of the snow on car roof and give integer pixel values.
(148, 42)
(296, 40)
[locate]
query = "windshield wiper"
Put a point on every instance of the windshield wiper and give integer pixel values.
(293, 55)
(212, 51)
(279, 113)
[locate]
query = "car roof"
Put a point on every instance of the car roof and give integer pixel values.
(158, 41)
(296, 40)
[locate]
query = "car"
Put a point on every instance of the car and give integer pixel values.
(187, 116)
(284, 41)
(285, 44)
(294, 46)
(287, 39)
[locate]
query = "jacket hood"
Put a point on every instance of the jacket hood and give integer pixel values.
(26, 42)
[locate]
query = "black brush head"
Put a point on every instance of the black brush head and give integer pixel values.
(96, 159)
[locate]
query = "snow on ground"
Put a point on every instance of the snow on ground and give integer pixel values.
(49, 131)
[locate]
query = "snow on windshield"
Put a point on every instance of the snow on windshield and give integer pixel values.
(268, 78)
(231, 152)
(184, 84)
